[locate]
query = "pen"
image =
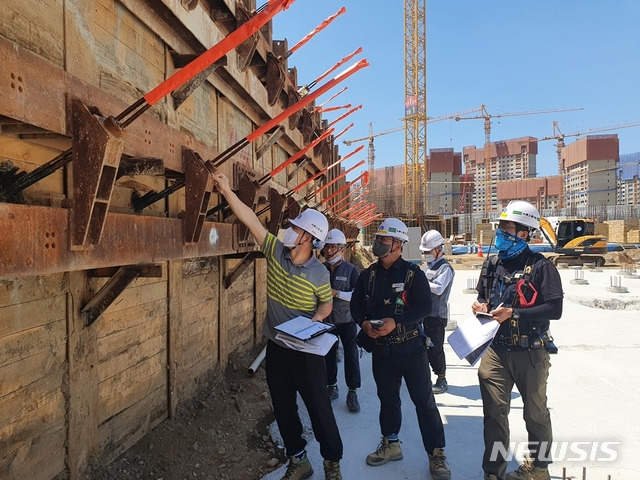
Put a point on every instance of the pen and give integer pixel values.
(501, 304)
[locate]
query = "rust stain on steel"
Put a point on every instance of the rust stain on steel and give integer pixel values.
(35, 241)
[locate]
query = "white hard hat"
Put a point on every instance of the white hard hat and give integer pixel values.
(430, 240)
(521, 212)
(392, 227)
(336, 237)
(312, 221)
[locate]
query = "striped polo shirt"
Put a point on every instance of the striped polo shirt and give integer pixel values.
(292, 290)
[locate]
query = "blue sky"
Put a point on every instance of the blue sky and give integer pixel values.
(512, 56)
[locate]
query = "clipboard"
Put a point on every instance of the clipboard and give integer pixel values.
(304, 328)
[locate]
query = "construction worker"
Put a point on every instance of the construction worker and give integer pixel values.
(523, 292)
(297, 284)
(440, 275)
(389, 304)
(343, 279)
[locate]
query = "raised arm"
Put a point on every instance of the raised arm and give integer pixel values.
(245, 214)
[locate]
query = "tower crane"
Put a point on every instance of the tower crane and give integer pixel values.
(486, 116)
(372, 135)
(559, 137)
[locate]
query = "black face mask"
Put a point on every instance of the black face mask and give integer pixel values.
(379, 249)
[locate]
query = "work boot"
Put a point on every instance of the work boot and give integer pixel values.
(438, 465)
(298, 469)
(352, 402)
(332, 390)
(529, 471)
(440, 386)
(385, 452)
(332, 470)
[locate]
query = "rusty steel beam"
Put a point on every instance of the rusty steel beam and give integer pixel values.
(109, 292)
(198, 188)
(97, 147)
(35, 241)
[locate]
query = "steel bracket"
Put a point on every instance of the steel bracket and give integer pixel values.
(275, 78)
(277, 202)
(198, 189)
(236, 271)
(120, 279)
(97, 148)
(247, 193)
(246, 49)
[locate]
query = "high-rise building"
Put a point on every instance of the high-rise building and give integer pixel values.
(590, 165)
(629, 179)
(445, 168)
(513, 159)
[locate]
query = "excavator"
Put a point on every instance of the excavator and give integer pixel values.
(575, 241)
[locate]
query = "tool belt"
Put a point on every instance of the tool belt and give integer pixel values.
(402, 335)
(526, 342)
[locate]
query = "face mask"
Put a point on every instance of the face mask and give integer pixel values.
(508, 245)
(336, 258)
(379, 249)
(290, 238)
(427, 257)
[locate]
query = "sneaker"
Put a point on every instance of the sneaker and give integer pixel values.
(490, 476)
(332, 390)
(352, 402)
(438, 465)
(332, 470)
(529, 471)
(298, 469)
(440, 386)
(386, 451)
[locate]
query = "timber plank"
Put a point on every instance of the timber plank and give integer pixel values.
(123, 320)
(27, 412)
(127, 387)
(115, 364)
(204, 313)
(29, 342)
(175, 347)
(35, 313)
(14, 291)
(40, 459)
(124, 429)
(24, 372)
(136, 295)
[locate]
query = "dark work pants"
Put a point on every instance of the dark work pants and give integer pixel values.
(499, 371)
(290, 372)
(347, 333)
(434, 328)
(388, 372)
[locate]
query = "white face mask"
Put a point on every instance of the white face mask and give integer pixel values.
(336, 258)
(429, 258)
(290, 238)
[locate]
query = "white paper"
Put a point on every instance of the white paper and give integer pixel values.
(473, 337)
(304, 328)
(319, 345)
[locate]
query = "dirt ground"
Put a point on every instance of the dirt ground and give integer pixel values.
(223, 432)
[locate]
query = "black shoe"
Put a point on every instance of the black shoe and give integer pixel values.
(332, 390)
(352, 402)
(441, 385)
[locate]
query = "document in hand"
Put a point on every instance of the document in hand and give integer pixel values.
(473, 337)
(304, 328)
(319, 345)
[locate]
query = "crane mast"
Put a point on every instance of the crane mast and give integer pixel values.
(416, 170)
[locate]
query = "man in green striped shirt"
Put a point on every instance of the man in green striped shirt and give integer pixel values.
(297, 284)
